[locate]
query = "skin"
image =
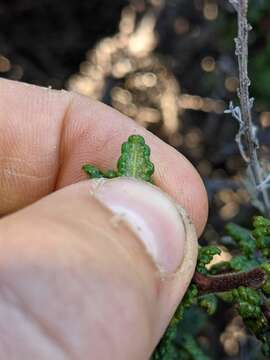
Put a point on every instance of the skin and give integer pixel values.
(70, 288)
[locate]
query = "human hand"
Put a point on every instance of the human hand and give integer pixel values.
(76, 281)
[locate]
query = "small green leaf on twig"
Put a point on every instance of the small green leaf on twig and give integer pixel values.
(135, 159)
(133, 162)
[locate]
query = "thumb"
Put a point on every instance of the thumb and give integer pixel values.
(93, 274)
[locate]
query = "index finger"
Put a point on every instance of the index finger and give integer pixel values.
(47, 135)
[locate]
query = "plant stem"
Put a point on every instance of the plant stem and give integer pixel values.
(266, 309)
(226, 282)
(245, 102)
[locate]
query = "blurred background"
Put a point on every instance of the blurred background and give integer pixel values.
(170, 65)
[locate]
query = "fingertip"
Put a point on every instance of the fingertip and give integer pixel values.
(178, 177)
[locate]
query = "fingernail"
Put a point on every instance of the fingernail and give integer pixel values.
(151, 214)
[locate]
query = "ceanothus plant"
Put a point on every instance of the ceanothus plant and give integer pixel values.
(243, 281)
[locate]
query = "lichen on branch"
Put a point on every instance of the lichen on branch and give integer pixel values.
(247, 135)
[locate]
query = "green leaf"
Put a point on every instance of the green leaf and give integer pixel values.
(205, 256)
(94, 173)
(260, 221)
(166, 349)
(192, 348)
(242, 263)
(208, 302)
(135, 159)
(243, 238)
(262, 235)
(133, 162)
(249, 302)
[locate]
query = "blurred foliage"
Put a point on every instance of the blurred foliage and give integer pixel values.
(247, 291)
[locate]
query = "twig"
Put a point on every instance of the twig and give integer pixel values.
(266, 310)
(246, 137)
(225, 282)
